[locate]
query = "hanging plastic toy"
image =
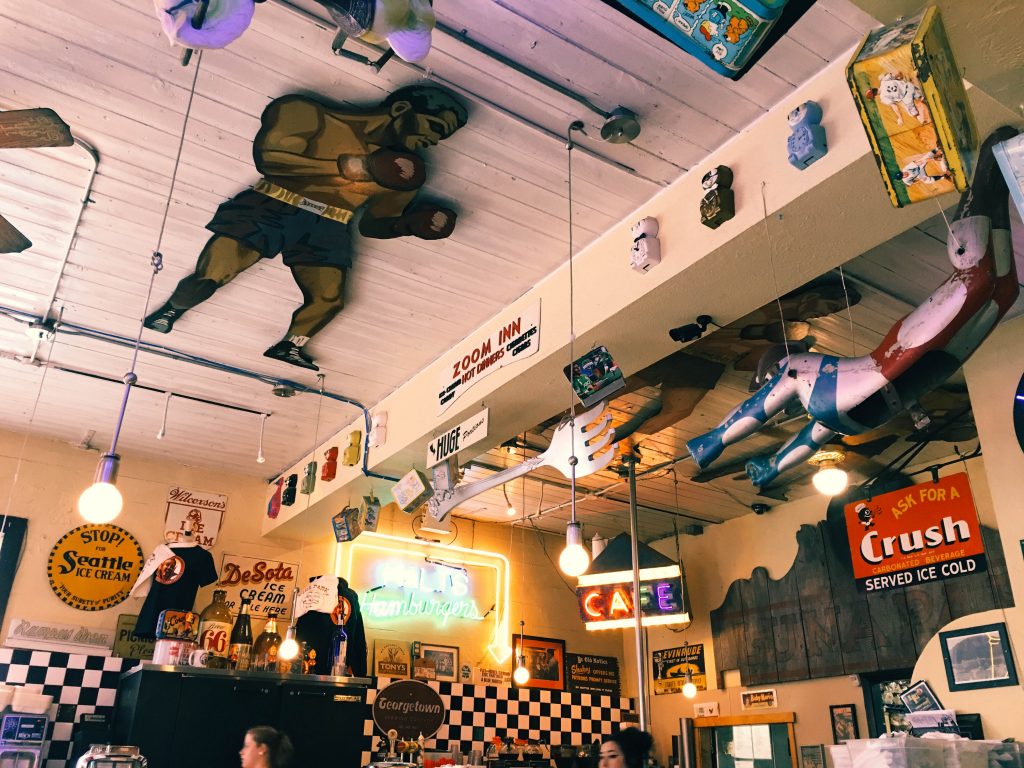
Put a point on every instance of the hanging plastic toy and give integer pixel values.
(850, 396)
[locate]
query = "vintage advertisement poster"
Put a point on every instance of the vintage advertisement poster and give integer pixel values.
(94, 567)
(391, 658)
(592, 674)
(927, 532)
(763, 699)
(128, 645)
(512, 336)
(670, 665)
(267, 582)
(197, 511)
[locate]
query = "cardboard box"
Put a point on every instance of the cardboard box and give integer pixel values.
(913, 105)
(412, 490)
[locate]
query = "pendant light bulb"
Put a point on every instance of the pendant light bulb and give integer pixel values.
(289, 649)
(830, 480)
(689, 689)
(522, 674)
(574, 559)
(101, 502)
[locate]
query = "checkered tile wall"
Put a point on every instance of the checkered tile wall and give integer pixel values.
(478, 713)
(85, 684)
(78, 684)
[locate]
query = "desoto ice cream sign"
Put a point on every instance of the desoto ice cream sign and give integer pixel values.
(927, 532)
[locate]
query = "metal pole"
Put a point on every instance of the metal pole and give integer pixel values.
(641, 677)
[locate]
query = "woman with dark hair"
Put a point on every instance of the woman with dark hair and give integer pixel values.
(625, 749)
(265, 747)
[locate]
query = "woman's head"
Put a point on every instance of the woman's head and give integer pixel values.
(265, 747)
(625, 749)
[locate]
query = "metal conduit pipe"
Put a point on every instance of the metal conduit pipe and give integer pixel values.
(184, 357)
(91, 151)
(429, 74)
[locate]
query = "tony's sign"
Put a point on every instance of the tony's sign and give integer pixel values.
(927, 532)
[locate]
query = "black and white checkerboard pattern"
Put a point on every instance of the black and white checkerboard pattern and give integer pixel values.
(78, 683)
(478, 713)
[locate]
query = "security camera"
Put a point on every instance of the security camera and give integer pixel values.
(691, 331)
(759, 509)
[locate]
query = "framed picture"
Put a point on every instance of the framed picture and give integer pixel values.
(813, 756)
(919, 698)
(545, 659)
(844, 722)
(978, 657)
(445, 659)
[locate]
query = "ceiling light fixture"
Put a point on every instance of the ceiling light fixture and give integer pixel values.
(689, 689)
(101, 502)
(692, 331)
(510, 509)
(829, 480)
(510, 446)
(290, 647)
(521, 676)
(574, 559)
(260, 458)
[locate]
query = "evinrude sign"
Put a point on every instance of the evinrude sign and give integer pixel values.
(926, 532)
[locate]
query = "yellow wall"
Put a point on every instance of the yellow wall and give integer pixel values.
(54, 473)
(731, 551)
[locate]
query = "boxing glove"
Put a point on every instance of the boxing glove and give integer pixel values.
(427, 222)
(391, 169)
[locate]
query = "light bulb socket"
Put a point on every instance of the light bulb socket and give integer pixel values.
(574, 534)
(106, 469)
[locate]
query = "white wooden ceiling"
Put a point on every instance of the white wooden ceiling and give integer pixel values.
(106, 68)
(891, 279)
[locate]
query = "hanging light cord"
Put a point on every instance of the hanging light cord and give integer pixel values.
(771, 263)
(157, 262)
(569, 146)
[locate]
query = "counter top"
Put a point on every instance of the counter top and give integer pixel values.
(234, 674)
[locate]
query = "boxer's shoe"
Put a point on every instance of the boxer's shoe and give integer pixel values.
(292, 354)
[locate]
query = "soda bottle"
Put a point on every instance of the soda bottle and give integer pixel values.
(264, 651)
(240, 648)
(215, 629)
(339, 651)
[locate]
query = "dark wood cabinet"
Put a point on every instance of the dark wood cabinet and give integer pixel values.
(200, 717)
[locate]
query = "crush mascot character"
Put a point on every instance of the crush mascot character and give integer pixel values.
(319, 166)
(850, 396)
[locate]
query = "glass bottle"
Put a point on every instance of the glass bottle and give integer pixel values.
(339, 651)
(264, 651)
(240, 648)
(215, 629)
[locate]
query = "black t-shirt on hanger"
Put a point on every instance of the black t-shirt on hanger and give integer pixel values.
(175, 584)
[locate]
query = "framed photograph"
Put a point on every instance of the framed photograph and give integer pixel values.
(919, 698)
(812, 756)
(978, 657)
(445, 659)
(545, 659)
(844, 722)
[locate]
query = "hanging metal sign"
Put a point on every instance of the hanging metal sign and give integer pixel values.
(513, 336)
(472, 430)
(197, 511)
(927, 532)
(93, 567)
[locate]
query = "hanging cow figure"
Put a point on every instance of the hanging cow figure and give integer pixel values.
(850, 396)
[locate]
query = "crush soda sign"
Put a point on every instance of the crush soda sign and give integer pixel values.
(927, 532)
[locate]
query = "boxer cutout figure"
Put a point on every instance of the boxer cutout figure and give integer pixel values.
(850, 396)
(320, 165)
